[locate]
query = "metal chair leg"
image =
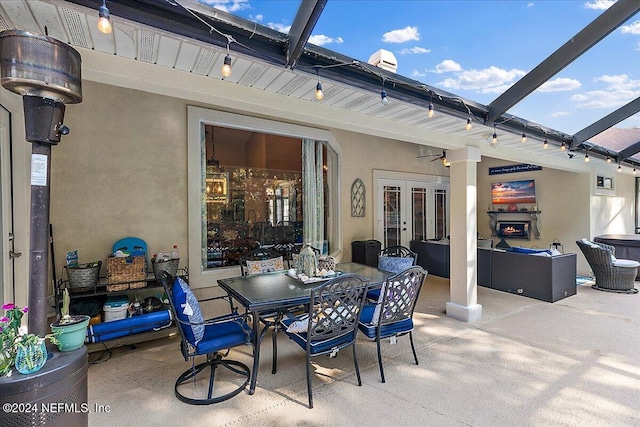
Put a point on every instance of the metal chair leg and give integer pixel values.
(309, 382)
(355, 362)
(415, 356)
(380, 359)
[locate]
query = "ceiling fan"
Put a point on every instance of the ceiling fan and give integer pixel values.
(442, 157)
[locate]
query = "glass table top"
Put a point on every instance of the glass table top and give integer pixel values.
(278, 289)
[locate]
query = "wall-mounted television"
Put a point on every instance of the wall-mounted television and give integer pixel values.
(513, 192)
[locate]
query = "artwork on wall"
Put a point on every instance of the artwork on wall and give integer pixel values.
(358, 193)
(512, 192)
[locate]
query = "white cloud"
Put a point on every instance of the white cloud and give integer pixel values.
(599, 4)
(257, 18)
(489, 80)
(604, 99)
(530, 4)
(227, 5)
(413, 50)
(560, 85)
(618, 82)
(416, 73)
(320, 40)
(448, 66)
(560, 114)
(402, 35)
(279, 27)
(619, 90)
(633, 28)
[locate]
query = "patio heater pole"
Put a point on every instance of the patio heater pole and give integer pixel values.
(38, 247)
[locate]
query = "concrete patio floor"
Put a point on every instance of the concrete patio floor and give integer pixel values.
(575, 362)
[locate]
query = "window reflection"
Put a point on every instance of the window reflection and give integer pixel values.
(253, 193)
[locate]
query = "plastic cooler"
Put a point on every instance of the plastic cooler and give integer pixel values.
(115, 308)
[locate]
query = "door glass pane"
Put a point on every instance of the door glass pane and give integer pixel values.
(440, 213)
(392, 215)
(418, 213)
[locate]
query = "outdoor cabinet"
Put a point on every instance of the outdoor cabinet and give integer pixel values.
(366, 252)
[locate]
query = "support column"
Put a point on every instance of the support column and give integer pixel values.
(464, 233)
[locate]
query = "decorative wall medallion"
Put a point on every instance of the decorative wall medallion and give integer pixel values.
(358, 198)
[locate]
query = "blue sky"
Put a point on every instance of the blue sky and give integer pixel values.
(477, 49)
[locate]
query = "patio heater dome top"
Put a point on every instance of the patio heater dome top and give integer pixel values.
(37, 65)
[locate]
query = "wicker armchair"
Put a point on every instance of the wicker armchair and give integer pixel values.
(618, 276)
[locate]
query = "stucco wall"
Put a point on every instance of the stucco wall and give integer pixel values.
(120, 172)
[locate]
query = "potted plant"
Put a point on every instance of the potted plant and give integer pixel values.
(70, 331)
(19, 348)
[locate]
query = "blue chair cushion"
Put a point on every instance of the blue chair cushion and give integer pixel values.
(188, 310)
(369, 329)
(394, 264)
(373, 294)
(319, 346)
(224, 335)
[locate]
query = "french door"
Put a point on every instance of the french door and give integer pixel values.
(410, 210)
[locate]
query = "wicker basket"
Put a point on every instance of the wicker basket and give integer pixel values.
(170, 266)
(84, 277)
(126, 273)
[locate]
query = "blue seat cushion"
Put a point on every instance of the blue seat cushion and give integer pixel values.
(367, 328)
(373, 294)
(319, 346)
(224, 335)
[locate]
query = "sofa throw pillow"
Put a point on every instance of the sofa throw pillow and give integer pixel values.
(265, 266)
(188, 310)
(394, 264)
(521, 250)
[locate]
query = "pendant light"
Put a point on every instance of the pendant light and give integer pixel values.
(104, 18)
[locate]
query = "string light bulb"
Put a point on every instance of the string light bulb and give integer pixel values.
(383, 96)
(431, 112)
(563, 147)
(545, 144)
(319, 93)
(494, 137)
(524, 138)
(634, 169)
(469, 124)
(586, 157)
(104, 18)
(226, 67)
(619, 168)
(608, 159)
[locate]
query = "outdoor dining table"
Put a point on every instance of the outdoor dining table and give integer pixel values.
(267, 292)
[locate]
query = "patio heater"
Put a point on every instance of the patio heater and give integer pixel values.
(46, 72)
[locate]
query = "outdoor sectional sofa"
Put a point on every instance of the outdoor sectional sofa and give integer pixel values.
(547, 278)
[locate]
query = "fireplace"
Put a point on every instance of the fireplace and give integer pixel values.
(513, 229)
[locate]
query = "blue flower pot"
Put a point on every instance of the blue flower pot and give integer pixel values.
(71, 336)
(31, 358)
